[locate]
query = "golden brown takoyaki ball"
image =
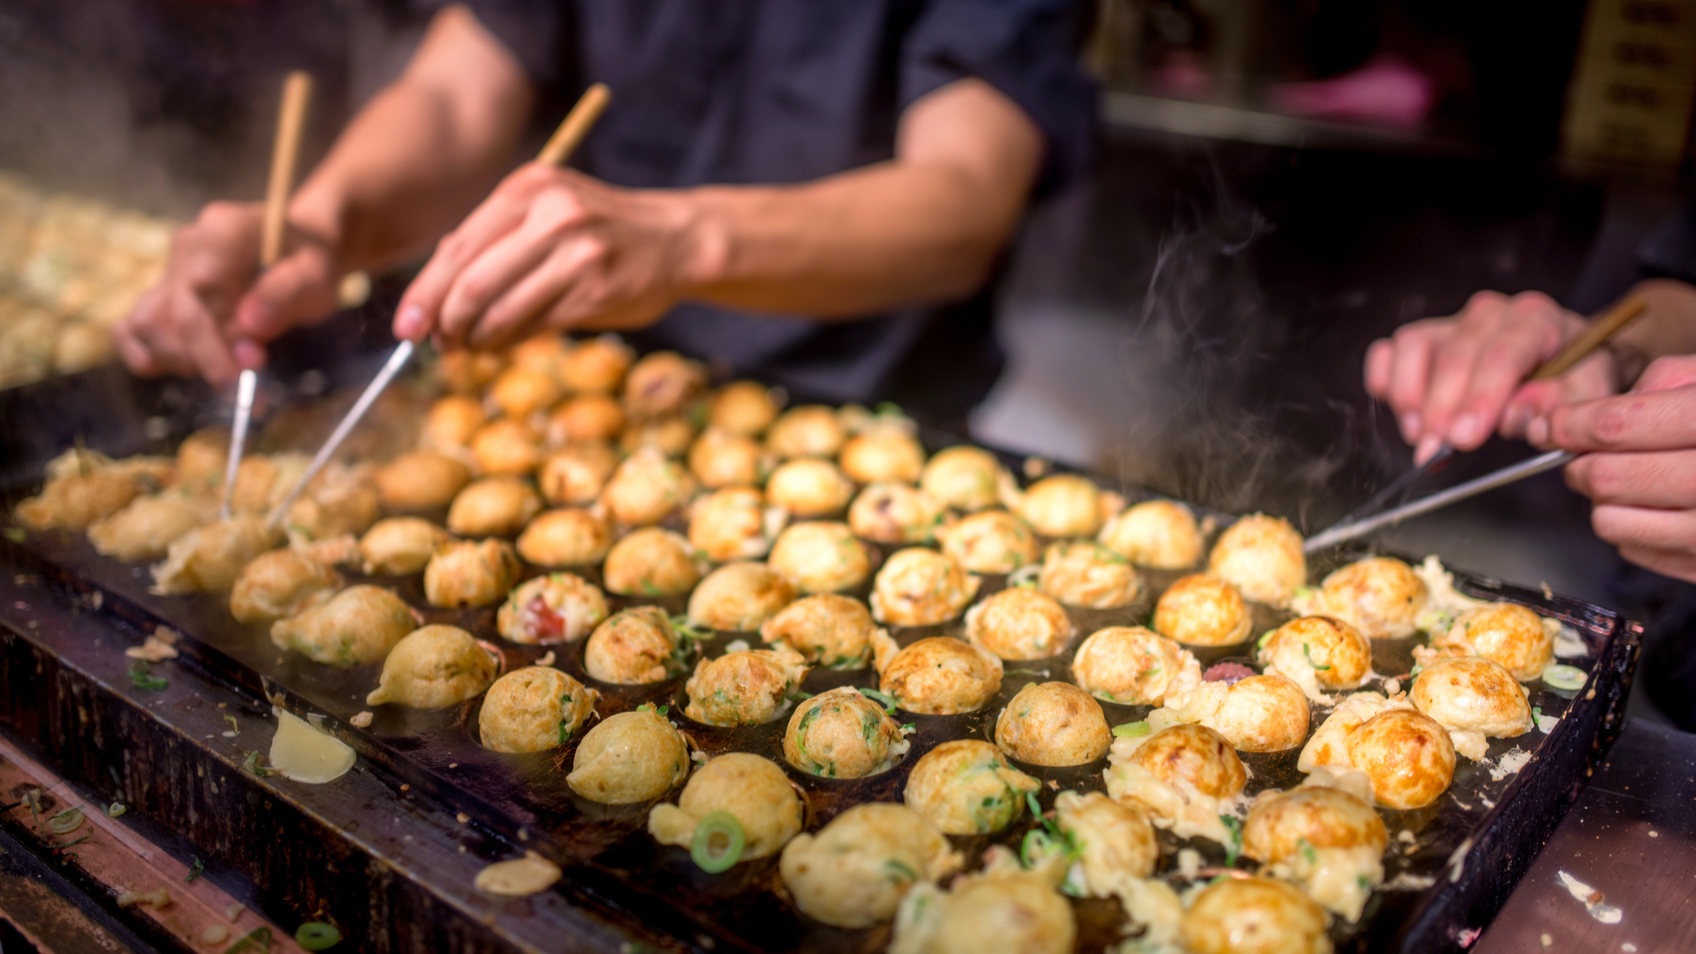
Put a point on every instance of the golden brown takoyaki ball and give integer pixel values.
(1507, 633)
(1053, 723)
(587, 418)
(506, 446)
(967, 787)
(469, 372)
(203, 456)
(635, 646)
(894, 513)
(646, 488)
(576, 474)
(829, 631)
(742, 407)
(421, 480)
(809, 488)
(854, 872)
(1019, 623)
(557, 608)
(629, 757)
(470, 573)
(751, 789)
(144, 529)
(820, 557)
(1115, 840)
(650, 562)
(433, 667)
(263, 480)
(521, 392)
(1011, 911)
(1192, 757)
(1265, 713)
(493, 507)
(1318, 652)
(569, 536)
(597, 366)
(670, 436)
(546, 352)
(965, 478)
(1085, 573)
(1254, 916)
(452, 422)
(534, 709)
(883, 453)
(732, 524)
(810, 430)
(281, 583)
(725, 459)
(208, 559)
(356, 627)
(940, 676)
(739, 597)
(1380, 596)
(1064, 505)
(663, 383)
(748, 687)
(919, 587)
(1202, 610)
(339, 502)
(400, 545)
(1282, 825)
(1130, 665)
(1472, 696)
(842, 734)
(74, 502)
(1261, 556)
(1155, 533)
(992, 541)
(1407, 755)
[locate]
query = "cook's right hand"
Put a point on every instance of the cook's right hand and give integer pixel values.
(213, 312)
(1457, 379)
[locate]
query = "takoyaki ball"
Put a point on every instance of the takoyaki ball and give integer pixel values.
(883, 453)
(1017, 912)
(546, 352)
(1019, 623)
(567, 537)
(281, 583)
(1053, 723)
(854, 872)
(650, 562)
(493, 507)
(521, 392)
(670, 436)
(1202, 610)
(829, 631)
(1507, 633)
(919, 587)
(1131, 665)
(1472, 697)
(356, 627)
(468, 372)
(74, 502)
(742, 407)
(597, 366)
(751, 789)
(557, 608)
(471, 573)
(749, 687)
(1380, 596)
(451, 423)
(506, 446)
(208, 559)
(433, 667)
(820, 557)
(587, 418)
(1064, 505)
(993, 541)
(725, 459)
(809, 488)
(1407, 755)
(421, 480)
(1265, 713)
(964, 478)
(635, 646)
(842, 734)
(739, 597)
(941, 676)
(967, 787)
(1318, 653)
(534, 709)
(646, 488)
(1115, 840)
(400, 545)
(629, 757)
(203, 456)
(1084, 573)
(1184, 776)
(663, 383)
(339, 502)
(262, 480)
(732, 524)
(1161, 534)
(1331, 843)
(1255, 916)
(144, 529)
(576, 474)
(811, 430)
(894, 513)
(1261, 556)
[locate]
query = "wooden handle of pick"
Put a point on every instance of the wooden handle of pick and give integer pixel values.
(297, 90)
(1593, 337)
(576, 125)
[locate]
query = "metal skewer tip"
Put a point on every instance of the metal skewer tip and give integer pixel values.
(245, 386)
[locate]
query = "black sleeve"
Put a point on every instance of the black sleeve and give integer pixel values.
(1028, 51)
(532, 30)
(1670, 250)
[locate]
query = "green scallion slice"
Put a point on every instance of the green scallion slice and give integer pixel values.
(1562, 676)
(887, 701)
(1131, 730)
(317, 936)
(718, 843)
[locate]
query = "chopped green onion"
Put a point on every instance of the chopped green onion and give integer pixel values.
(1131, 730)
(195, 870)
(900, 872)
(1033, 805)
(1562, 676)
(1235, 846)
(140, 677)
(16, 534)
(316, 935)
(115, 809)
(1265, 638)
(656, 710)
(1309, 654)
(258, 939)
(1035, 847)
(66, 821)
(887, 701)
(718, 842)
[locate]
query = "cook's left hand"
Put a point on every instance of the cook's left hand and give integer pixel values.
(1639, 465)
(552, 248)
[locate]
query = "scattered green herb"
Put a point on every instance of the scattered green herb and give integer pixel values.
(1234, 847)
(718, 843)
(235, 727)
(251, 764)
(74, 842)
(141, 678)
(317, 936)
(195, 870)
(115, 809)
(258, 939)
(1309, 654)
(884, 699)
(1131, 730)
(900, 872)
(65, 822)
(1265, 638)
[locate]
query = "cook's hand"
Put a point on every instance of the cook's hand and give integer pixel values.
(212, 313)
(551, 248)
(1639, 465)
(1458, 379)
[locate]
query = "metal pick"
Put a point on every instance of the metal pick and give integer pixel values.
(245, 386)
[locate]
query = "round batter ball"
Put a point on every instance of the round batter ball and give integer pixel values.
(400, 545)
(1319, 652)
(1261, 556)
(1202, 610)
(1064, 505)
(1191, 758)
(356, 627)
(451, 422)
(203, 456)
(739, 597)
(506, 446)
(629, 757)
(941, 676)
(585, 419)
(1407, 755)
(751, 789)
(557, 608)
(1130, 665)
(339, 502)
(421, 480)
(1266, 713)
(750, 687)
(894, 513)
(967, 787)
(569, 536)
(1017, 912)
(433, 667)
(1019, 623)
(74, 502)
(1155, 533)
(726, 459)
(920, 587)
(468, 372)
(546, 352)
(646, 488)
(670, 436)
(576, 473)
(520, 392)
(281, 583)
(1472, 694)
(732, 524)
(493, 507)
(1114, 840)
(597, 366)
(993, 541)
(661, 383)
(145, 528)
(883, 453)
(963, 477)
(842, 734)
(634, 647)
(1053, 723)
(534, 709)
(1254, 916)
(1082, 573)
(810, 430)
(854, 872)
(1321, 836)
(743, 407)
(829, 631)
(208, 559)
(650, 562)
(471, 573)
(808, 487)
(820, 557)
(1380, 596)
(1507, 633)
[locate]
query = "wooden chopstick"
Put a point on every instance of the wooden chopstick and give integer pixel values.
(1591, 338)
(576, 125)
(297, 90)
